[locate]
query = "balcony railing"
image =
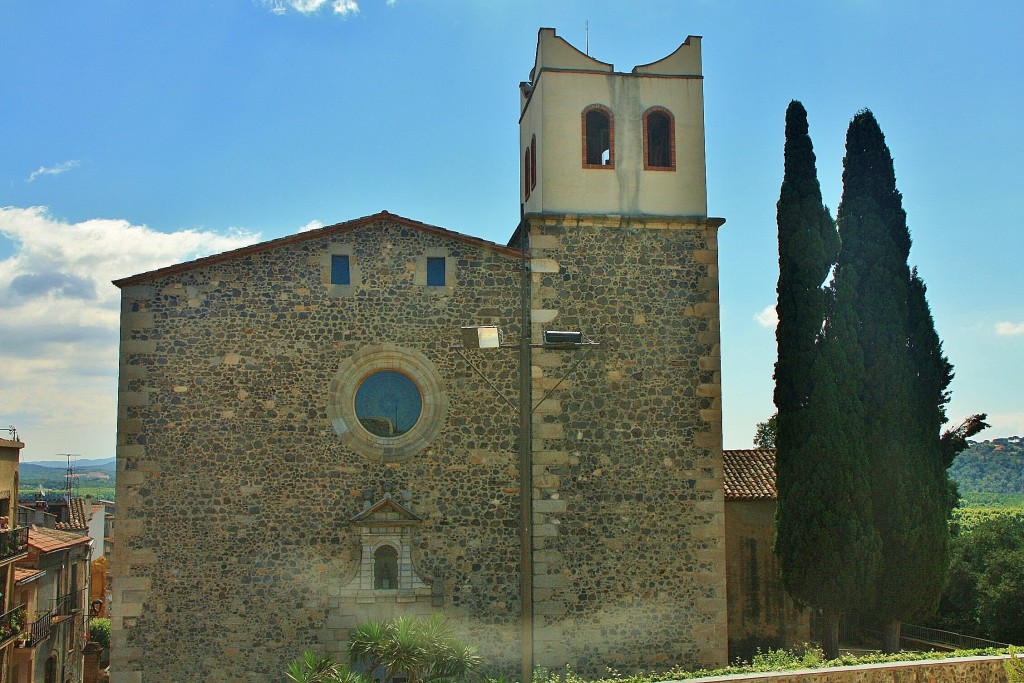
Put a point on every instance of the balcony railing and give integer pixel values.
(38, 630)
(69, 604)
(11, 623)
(13, 542)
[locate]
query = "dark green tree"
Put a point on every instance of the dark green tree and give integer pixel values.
(904, 383)
(764, 434)
(825, 540)
(984, 595)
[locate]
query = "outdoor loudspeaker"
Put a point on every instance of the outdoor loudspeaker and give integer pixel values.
(561, 337)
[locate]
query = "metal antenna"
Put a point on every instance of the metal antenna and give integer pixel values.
(586, 29)
(69, 477)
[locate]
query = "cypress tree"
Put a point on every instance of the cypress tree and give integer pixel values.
(903, 384)
(826, 544)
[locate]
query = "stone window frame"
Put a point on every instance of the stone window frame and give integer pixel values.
(385, 523)
(395, 558)
(420, 275)
(367, 361)
(354, 275)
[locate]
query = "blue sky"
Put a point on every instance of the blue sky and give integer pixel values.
(138, 134)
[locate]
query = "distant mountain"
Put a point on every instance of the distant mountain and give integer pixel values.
(81, 463)
(32, 475)
(995, 466)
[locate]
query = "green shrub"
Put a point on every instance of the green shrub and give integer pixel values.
(99, 631)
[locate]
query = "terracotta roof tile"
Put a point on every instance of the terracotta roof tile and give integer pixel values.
(750, 474)
(47, 540)
(77, 519)
(25, 575)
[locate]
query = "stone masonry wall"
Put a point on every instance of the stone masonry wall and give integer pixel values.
(233, 540)
(629, 553)
(965, 670)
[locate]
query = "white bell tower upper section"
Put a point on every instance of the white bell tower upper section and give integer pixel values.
(597, 141)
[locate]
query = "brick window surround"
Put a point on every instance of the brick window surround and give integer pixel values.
(662, 114)
(592, 137)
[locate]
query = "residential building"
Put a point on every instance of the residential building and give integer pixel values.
(53, 583)
(13, 547)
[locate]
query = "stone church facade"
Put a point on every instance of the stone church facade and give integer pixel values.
(306, 440)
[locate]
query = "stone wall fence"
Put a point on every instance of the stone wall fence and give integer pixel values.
(954, 670)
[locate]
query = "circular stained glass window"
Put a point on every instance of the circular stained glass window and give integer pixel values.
(388, 403)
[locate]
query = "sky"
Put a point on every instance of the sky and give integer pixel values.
(135, 135)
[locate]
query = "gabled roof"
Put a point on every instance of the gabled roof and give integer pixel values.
(48, 540)
(77, 518)
(314, 234)
(386, 512)
(750, 474)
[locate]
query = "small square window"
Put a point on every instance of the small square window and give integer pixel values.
(340, 274)
(435, 271)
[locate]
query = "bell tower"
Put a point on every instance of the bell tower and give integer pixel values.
(597, 141)
(628, 524)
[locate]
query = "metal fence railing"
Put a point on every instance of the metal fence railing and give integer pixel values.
(958, 641)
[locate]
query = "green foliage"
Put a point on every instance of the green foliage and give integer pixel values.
(410, 648)
(995, 466)
(314, 668)
(99, 491)
(966, 518)
(825, 540)
(984, 594)
(99, 631)
(903, 384)
(1015, 666)
(970, 499)
(764, 662)
(765, 433)
(418, 650)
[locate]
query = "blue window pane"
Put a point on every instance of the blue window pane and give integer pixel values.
(339, 270)
(435, 271)
(388, 403)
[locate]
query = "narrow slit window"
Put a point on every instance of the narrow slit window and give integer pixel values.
(533, 162)
(385, 568)
(659, 139)
(435, 271)
(340, 272)
(598, 138)
(528, 180)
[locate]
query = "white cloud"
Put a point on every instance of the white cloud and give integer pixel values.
(346, 7)
(53, 170)
(767, 317)
(59, 317)
(343, 8)
(312, 225)
(1008, 329)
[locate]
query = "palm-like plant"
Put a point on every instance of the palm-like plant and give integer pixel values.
(423, 650)
(314, 668)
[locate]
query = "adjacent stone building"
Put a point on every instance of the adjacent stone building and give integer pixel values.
(761, 614)
(306, 439)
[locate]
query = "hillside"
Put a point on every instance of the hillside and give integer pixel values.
(995, 466)
(95, 478)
